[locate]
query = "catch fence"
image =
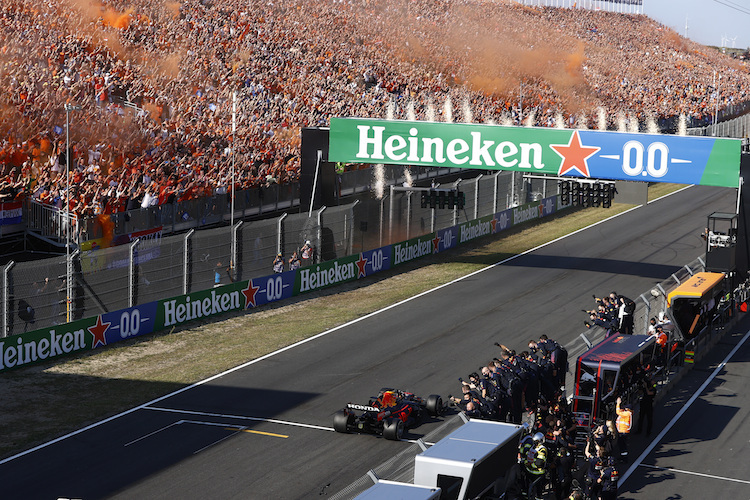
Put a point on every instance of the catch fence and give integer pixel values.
(153, 263)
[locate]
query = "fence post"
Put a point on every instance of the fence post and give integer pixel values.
(476, 195)
(280, 233)
(455, 207)
(390, 216)
(235, 253)
(494, 194)
(186, 262)
(132, 274)
(68, 287)
(648, 312)
(408, 214)
(350, 235)
(6, 299)
(382, 217)
(319, 221)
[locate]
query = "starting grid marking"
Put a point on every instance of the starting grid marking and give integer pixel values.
(228, 427)
(240, 429)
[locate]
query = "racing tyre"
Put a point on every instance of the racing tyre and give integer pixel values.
(434, 405)
(343, 421)
(393, 429)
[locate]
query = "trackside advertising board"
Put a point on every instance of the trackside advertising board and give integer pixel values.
(560, 152)
(110, 327)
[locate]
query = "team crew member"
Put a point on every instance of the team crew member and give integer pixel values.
(646, 410)
(624, 423)
(608, 480)
(535, 463)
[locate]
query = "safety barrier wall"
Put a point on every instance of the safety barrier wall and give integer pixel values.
(132, 268)
(150, 266)
(200, 301)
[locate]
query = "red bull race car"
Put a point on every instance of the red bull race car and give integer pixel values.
(388, 415)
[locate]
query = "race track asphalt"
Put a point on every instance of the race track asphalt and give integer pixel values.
(265, 430)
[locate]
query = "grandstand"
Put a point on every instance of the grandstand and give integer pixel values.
(155, 81)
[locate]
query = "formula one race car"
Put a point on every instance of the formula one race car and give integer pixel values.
(389, 414)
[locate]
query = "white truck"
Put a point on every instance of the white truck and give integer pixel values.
(470, 462)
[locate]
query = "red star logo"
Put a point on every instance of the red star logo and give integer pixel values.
(493, 223)
(361, 263)
(574, 155)
(249, 293)
(436, 244)
(98, 331)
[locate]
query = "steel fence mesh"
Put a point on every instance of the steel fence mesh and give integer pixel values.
(41, 286)
(336, 230)
(298, 229)
(256, 248)
(211, 257)
(101, 277)
(421, 220)
(504, 190)
(104, 278)
(469, 188)
(486, 199)
(160, 268)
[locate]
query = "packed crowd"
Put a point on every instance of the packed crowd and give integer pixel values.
(614, 313)
(526, 388)
(172, 94)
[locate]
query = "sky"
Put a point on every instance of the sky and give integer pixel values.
(708, 20)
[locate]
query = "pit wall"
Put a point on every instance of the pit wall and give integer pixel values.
(108, 328)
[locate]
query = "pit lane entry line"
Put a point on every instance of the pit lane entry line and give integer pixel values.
(710, 476)
(682, 411)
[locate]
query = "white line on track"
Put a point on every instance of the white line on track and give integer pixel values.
(711, 476)
(243, 417)
(240, 417)
(682, 411)
(315, 337)
(157, 431)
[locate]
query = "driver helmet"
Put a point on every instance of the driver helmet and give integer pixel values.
(389, 398)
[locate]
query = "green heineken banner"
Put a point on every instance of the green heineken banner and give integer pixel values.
(558, 152)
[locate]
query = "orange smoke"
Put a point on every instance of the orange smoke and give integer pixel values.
(574, 63)
(116, 19)
(174, 7)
